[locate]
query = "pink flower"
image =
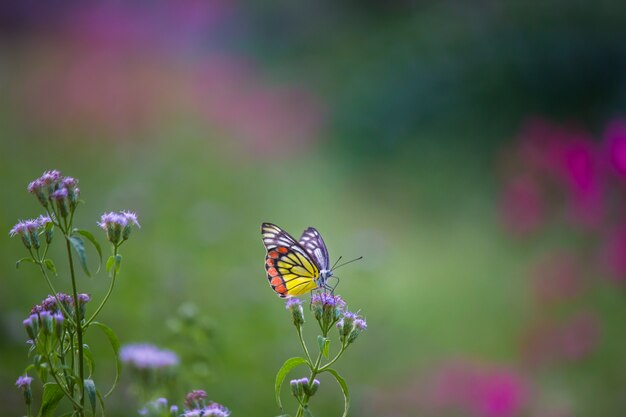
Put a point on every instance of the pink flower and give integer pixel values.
(557, 277)
(557, 342)
(615, 144)
(613, 254)
(479, 390)
(522, 206)
(569, 159)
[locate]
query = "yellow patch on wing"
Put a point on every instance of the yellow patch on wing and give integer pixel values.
(301, 286)
(302, 272)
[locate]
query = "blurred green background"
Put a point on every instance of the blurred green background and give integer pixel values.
(392, 127)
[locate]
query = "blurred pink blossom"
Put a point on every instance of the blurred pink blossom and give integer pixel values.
(266, 117)
(569, 159)
(615, 143)
(558, 276)
(480, 390)
(521, 205)
(555, 342)
(613, 253)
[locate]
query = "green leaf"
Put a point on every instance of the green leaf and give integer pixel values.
(114, 261)
(89, 356)
(307, 412)
(90, 388)
(344, 388)
(79, 247)
(110, 263)
(324, 344)
(115, 344)
(101, 400)
(94, 242)
(50, 266)
(27, 259)
(282, 373)
(52, 394)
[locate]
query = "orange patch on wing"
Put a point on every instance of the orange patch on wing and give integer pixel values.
(272, 271)
(280, 289)
(270, 262)
(276, 281)
(273, 254)
(282, 249)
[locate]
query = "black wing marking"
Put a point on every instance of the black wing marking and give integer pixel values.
(312, 242)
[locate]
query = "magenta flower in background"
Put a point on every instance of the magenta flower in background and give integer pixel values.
(615, 146)
(522, 206)
(557, 277)
(568, 159)
(554, 342)
(478, 390)
(612, 254)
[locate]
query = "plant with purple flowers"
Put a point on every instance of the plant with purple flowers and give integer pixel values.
(56, 327)
(330, 312)
(196, 405)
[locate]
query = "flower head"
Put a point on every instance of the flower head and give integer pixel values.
(327, 308)
(195, 398)
(144, 356)
(59, 194)
(118, 225)
(28, 230)
(23, 382)
(297, 314)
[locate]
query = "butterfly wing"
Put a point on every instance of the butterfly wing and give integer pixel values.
(290, 269)
(312, 242)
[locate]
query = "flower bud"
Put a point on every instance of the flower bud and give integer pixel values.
(30, 328)
(174, 411)
(311, 389)
(23, 383)
(46, 322)
(60, 197)
(297, 314)
(36, 187)
(358, 327)
(34, 318)
(58, 324)
(294, 387)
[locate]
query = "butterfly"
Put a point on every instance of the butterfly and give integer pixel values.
(295, 267)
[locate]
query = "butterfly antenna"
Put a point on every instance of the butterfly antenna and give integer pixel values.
(346, 263)
(338, 259)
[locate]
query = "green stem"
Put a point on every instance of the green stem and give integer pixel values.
(343, 349)
(314, 371)
(67, 393)
(106, 297)
(79, 329)
(28, 409)
(54, 293)
(306, 351)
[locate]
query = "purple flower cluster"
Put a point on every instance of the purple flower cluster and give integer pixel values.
(29, 231)
(350, 326)
(50, 303)
(197, 406)
(143, 356)
(51, 187)
(117, 225)
(301, 386)
(327, 308)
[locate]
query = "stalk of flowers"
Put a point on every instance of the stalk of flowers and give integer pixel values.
(195, 405)
(330, 312)
(56, 327)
